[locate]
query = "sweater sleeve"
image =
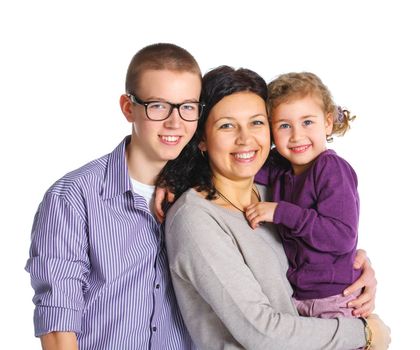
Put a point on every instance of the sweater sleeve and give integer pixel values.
(272, 169)
(263, 175)
(204, 255)
(331, 226)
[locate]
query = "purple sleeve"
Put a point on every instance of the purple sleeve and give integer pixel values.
(58, 266)
(263, 176)
(332, 225)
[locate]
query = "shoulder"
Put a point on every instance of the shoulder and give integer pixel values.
(331, 169)
(191, 206)
(330, 160)
(85, 178)
(195, 219)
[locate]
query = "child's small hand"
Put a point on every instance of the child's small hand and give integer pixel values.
(259, 212)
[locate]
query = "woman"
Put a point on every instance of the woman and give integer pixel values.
(230, 280)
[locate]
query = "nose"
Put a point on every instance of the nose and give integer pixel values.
(296, 134)
(243, 136)
(174, 120)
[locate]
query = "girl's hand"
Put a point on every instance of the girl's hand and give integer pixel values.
(365, 303)
(259, 212)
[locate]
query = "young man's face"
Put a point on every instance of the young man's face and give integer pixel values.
(160, 141)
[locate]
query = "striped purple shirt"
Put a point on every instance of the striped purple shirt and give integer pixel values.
(98, 263)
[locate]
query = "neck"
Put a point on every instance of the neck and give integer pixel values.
(141, 168)
(235, 194)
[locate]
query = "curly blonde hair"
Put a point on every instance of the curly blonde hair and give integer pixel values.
(291, 86)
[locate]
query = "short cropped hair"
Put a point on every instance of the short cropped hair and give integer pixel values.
(161, 56)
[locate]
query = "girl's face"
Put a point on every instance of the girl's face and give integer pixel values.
(299, 129)
(237, 136)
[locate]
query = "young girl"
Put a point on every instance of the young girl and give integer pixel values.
(315, 192)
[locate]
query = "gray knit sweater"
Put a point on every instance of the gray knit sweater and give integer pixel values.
(231, 286)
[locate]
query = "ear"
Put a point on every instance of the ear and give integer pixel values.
(202, 146)
(329, 123)
(127, 108)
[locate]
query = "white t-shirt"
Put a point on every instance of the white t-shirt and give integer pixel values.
(146, 191)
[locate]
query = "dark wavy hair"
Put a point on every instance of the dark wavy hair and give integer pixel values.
(191, 168)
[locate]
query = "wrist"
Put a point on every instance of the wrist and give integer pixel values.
(368, 334)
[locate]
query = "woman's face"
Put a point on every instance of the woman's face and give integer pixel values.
(237, 136)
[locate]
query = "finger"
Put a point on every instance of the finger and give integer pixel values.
(159, 198)
(251, 215)
(170, 197)
(159, 217)
(360, 259)
(361, 300)
(367, 276)
(250, 207)
(365, 310)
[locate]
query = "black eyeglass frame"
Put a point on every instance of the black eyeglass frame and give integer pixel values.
(133, 98)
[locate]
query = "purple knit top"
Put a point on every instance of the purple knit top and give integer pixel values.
(317, 217)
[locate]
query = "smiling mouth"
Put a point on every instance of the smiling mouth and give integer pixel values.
(170, 140)
(245, 155)
(299, 149)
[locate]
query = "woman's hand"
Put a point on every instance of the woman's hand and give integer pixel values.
(365, 303)
(381, 333)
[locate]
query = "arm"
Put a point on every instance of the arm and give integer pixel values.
(59, 341)
(58, 266)
(204, 255)
(335, 218)
(263, 175)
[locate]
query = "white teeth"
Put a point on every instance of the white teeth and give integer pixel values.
(245, 155)
(300, 148)
(170, 138)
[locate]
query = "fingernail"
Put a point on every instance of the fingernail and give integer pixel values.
(346, 293)
(350, 304)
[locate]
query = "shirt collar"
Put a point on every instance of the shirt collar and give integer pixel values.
(117, 180)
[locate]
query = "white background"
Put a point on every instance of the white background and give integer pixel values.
(62, 70)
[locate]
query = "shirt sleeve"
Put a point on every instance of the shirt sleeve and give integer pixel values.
(332, 225)
(58, 266)
(204, 255)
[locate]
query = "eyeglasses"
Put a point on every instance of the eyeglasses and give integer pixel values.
(161, 110)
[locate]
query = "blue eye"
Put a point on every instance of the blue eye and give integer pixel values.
(158, 105)
(284, 126)
(258, 122)
(307, 122)
(189, 107)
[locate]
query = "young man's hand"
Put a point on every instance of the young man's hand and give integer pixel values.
(162, 195)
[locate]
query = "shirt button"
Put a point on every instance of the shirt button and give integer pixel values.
(154, 329)
(158, 286)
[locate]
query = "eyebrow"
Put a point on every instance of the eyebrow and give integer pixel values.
(159, 99)
(250, 117)
(300, 118)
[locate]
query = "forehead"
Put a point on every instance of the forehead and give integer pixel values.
(169, 84)
(298, 106)
(238, 105)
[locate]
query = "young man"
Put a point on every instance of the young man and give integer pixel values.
(97, 259)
